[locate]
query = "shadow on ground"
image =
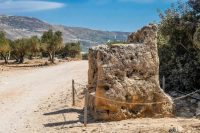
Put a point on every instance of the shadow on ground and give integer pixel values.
(65, 122)
(69, 110)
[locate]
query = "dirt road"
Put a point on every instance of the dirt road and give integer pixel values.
(39, 101)
(22, 91)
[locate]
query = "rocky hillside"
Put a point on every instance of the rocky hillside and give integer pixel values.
(17, 27)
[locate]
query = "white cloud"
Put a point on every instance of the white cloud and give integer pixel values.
(10, 6)
(137, 1)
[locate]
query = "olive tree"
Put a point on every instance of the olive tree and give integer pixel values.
(20, 48)
(73, 49)
(52, 42)
(4, 47)
(34, 46)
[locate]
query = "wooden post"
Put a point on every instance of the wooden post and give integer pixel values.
(85, 107)
(163, 83)
(73, 93)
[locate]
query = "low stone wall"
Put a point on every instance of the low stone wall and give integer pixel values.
(124, 77)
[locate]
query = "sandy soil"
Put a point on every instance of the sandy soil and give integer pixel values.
(21, 92)
(39, 100)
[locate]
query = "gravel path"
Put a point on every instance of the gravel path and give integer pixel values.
(22, 91)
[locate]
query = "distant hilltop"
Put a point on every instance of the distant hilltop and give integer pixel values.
(18, 27)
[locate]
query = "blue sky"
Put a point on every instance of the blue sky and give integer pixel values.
(112, 15)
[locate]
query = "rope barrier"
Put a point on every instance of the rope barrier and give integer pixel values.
(78, 95)
(189, 96)
(150, 103)
(119, 102)
(82, 87)
(181, 97)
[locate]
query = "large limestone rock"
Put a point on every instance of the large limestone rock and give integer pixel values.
(124, 78)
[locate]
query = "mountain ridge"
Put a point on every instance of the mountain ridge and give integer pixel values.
(17, 27)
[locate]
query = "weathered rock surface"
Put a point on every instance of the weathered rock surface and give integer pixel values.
(127, 75)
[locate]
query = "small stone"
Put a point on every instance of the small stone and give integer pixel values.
(187, 114)
(173, 130)
(198, 112)
(173, 93)
(79, 123)
(196, 95)
(193, 101)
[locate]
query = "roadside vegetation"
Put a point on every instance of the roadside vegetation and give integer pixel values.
(116, 42)
(4, 47)
(179, 46)
(49, 45)
(72, 50)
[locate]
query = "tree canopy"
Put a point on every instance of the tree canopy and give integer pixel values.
(52, 42)
(4, 47)
(178, 43)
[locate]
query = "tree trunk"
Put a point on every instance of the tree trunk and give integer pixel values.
(51, 56)
(21, 59)
(31, 57)
(9, 55)
(5, 58)
(16, 58)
